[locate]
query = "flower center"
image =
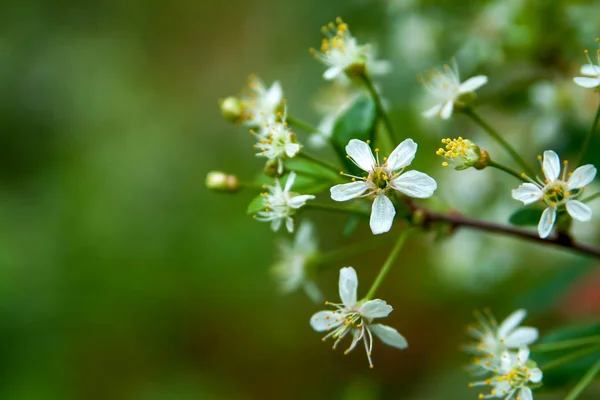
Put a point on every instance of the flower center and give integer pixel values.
(556, 193)
(380, 178)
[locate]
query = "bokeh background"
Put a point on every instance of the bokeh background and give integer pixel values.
(123, 277)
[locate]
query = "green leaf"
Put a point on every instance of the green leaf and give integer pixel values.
(526, 216)
(303, 166)
(257, 204)
(351, 225)
(570, 372)
(358, 122)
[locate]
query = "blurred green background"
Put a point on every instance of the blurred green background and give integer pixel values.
(122, 277)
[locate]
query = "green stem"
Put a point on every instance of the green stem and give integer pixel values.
(338, 209)
(354, 249)
(565, 344)
(497, 137)
(588, 138)
(584, 382)
(570, 357)
(385, 269)
(506, 169)
(317, 161)
(251, 185)
(380, 109)
(305, 126)
(592, 197)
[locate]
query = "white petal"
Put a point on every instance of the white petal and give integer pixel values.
(290, 181)
(291, 149)
(433, 111)
(415, 184)
(389, 336)
(590, 69)
(275, 224)
(587, 82)
(380, 67)
(521, 336)
(578, 210)
(523, 354)
(402, 155)
(551, 165)
(361, 154)
(375, 309)
(528, 193)
(275, 94)
(447, 109)
(299, 201)
(305, 241)
(511, 322)
(535, 375)
(332, 73)
(347, 286)
(582, 176)
(546, 222)
(382, 215)
(325, 320)
(289, 224)
(472, 84)
(525, 394)
(348, 191)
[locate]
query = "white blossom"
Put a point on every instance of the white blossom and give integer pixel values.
(292, 271)
(446, 88)
(281, 204)
(256, 105)
(355, 318)
(341, 52)
(276, 141)
(514, 377)
(591, 72)
(381, 178)
(557, 194)
(494, 340)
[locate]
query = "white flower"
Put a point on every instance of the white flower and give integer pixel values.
(514, 377)
(558, 194)
(292, 269)
(592, 72)
(356, 317)
(281, 204)
(459, 153)
(494, 340)
(259, 104)
(276, 142)
(446, 88)
(341, 53)
(381, 179)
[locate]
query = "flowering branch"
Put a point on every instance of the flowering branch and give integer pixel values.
(588, 138)
(468, 111)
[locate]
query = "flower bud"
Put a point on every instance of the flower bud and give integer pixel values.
(231, 109)
(462, 154)
(272, 169)
(222, 182)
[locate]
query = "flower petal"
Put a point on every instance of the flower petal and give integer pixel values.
(275, 224)
(289, 224)
(289, 183)
(546, 222)
(402, 155)
(472, 84)
(332, 73)
(389, 336)
(274, 94)
(511, 322)
(361, 153)
(299, 201)
(382, 215)
(521, 336)
(523, 354)
(587, 82)
(528, 193)
(291, 149)
(525, 394)
(325, 320)
(551, 165)
(348, 191)
(433, 111)
(447, 109)
(347, 286)
(578, 210)
(590, 69)
(415, 184)
(582, 176)
(375, 309)
(535, 375)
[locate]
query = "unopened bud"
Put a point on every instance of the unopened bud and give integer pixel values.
(231, 109)
(484, 160)
(272, 169)
(222, 182)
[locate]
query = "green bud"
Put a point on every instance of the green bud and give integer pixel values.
(222, 182)
(231, 109)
